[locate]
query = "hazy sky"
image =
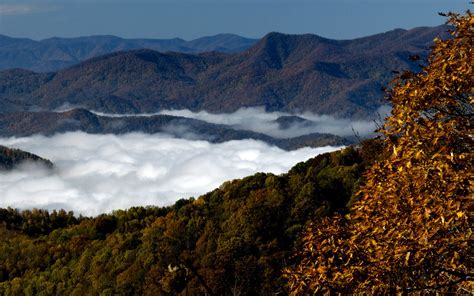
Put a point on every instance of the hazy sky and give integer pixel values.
(188, 19)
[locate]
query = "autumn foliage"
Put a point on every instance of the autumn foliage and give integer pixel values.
(411, 229)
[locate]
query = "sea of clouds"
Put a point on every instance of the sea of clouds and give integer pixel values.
(95, 174)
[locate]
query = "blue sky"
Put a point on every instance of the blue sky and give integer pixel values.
(188, 19)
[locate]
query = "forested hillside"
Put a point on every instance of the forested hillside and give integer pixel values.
(233, 240)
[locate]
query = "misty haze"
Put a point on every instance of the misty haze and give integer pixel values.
(280, 124)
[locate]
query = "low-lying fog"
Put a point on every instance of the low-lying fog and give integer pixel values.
(258, 120)
(99, 173)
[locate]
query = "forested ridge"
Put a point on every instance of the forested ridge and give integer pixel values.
(10, 158)
(233, 240)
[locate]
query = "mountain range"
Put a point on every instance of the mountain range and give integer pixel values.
(56, 53)
(292, 73)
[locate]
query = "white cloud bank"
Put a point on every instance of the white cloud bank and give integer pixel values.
(99, 173)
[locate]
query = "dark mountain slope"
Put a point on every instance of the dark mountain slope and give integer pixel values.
(10, 158)
(48, 123)
(15, 87)
(281, 72)
(55, 53)
(141, 80)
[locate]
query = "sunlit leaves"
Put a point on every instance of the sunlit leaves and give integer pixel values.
(411, 230)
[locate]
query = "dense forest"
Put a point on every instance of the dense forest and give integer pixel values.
(234, 240)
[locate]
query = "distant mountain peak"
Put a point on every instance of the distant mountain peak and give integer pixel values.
(275, 48)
